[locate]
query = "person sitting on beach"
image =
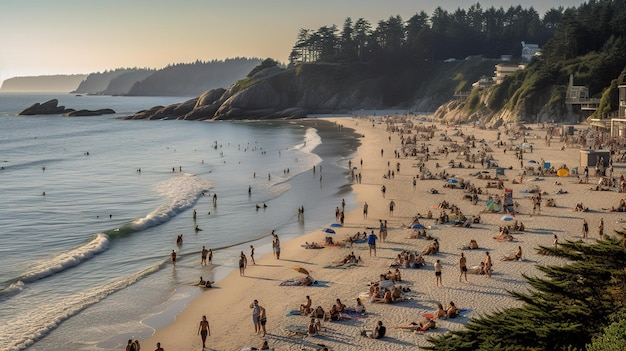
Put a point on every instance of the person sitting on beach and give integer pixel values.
(385, 299)
(396, 277)
(580, 207)
(305, 308)
(318, 312)
(340, 306)
(313, 329)
(452, 311)
(504, 235)
(333, 313)
(396, 294)
(441, 312)
(377, 333)
(359, 308)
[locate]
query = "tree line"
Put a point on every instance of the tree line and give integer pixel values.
(458, 34)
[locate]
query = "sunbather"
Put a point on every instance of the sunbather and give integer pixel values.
(305, 308)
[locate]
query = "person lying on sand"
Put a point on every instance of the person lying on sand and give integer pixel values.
(421, 326)
(480, 269)
(516, 256)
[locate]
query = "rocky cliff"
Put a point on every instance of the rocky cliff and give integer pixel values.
(323, 88)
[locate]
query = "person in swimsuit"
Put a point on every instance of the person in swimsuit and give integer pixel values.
(463, 267)
(159, 348)
(256, 316)
(173, 255)
(252, 254)
(203, 330)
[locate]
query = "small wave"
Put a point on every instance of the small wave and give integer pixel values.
(48, 267)
(21, 333)
(182, 192)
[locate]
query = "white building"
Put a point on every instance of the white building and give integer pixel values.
(529, 51)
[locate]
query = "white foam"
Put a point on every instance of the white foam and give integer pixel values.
(20, 333)
(74, 257)
(181, 193)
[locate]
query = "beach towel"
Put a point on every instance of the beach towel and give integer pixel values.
(293, 313)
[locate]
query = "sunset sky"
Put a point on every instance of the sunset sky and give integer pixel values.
(42, 37)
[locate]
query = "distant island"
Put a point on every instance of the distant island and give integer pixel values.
(181, 79)
(52, 83)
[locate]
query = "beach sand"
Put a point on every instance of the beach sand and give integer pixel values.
(227, 305)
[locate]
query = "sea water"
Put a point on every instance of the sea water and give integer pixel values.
(90, 208)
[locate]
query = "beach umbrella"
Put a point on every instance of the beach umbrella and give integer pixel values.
(417, 226)
(328, 230)
(532, 161)
(300, 270)
(489, 202)
(336, 225)
(453, 181)
(562, 172)
(506, 218)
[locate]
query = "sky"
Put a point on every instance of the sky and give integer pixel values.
(43, 37)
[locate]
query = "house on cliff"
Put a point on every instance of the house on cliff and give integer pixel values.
(529, 51)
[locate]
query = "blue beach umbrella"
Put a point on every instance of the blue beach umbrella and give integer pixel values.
(489, 202)
(532, 161)
(417, 226)
(506, 218)
(328, 230)
(453, 181)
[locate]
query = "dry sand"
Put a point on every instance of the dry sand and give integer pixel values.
(227, 306)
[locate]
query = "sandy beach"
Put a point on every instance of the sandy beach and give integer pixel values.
(227, 304)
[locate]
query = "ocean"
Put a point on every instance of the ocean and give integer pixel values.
(90, 209)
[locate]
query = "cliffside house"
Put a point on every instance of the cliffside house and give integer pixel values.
(529, 51)
(618, 125)
(621, 86)
(483, 82)
(504, 70)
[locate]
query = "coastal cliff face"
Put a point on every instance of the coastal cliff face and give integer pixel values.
(321, 88)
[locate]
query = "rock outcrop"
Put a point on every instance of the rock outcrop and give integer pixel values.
(88, 113)
(51, 107)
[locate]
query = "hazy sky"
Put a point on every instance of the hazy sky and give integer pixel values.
(41, 37)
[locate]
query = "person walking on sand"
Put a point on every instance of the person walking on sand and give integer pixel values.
(488, 265)
(159, 348)
(438, 273)
(173, 255)
(203, 330)
(463, 266)
(365, 207)
(371, 241)
(585, 229)
(601, 228)
(204, 254)
(210, 256)
(392, 205)
(242, 264)
(252, 254)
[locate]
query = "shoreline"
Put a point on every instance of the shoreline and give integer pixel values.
(231, 325)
